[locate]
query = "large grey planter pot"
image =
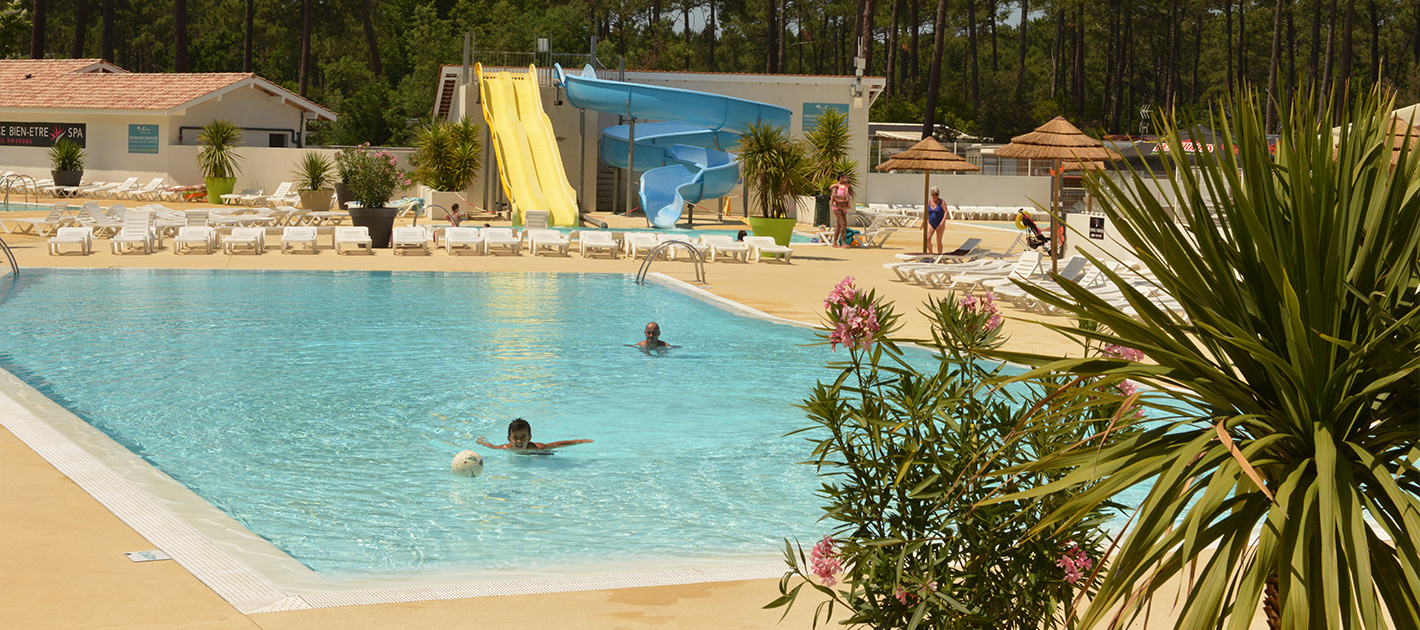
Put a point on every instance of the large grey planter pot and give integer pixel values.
(342, 195)
(67, 178)
(380, 221)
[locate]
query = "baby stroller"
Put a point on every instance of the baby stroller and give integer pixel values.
(1034, 238)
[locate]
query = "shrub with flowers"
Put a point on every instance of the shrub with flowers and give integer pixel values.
(372, 176)
(917, 450)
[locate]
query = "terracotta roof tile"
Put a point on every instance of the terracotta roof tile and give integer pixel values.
(110, 91)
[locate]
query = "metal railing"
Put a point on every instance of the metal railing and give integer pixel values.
(11, 180)
(695, 257)
(10, 256)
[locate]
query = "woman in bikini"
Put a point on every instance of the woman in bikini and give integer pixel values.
(841, 198)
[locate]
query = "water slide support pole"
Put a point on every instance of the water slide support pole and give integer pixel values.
(630, 156)
(582, 177)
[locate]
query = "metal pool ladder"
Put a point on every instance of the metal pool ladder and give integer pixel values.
(10, 256)
(11, 180)
(695, 257)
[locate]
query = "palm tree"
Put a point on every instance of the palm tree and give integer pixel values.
(447, 156)
(1298, 356)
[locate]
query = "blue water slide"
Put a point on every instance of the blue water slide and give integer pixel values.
(683, 159)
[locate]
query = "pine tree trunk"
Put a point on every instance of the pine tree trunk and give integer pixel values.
(307, 9)
(1080, 61)
(893, 58)
(1242, 42)
(1021, 62)
(1345, 74)
(1375, 42)
(37, 29)
(1326, 81)
(1056, 52)
(1315, 52)
(180, 35)
(971, 54)
(247, 35)
(1228, 40)
(771, 62)
(914, 70)
(367, 18)
(107, 43)
(991, 17)
(714, 35)
(869, 35)
(1272, 67)
(934, 75)
(81, 27)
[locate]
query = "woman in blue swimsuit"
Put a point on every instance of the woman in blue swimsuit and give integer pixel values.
(936, 217)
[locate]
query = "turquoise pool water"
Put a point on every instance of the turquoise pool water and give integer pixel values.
(321, 410)
(795, 238)
(19, 206)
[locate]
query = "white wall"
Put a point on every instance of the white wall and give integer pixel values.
(106, 146)
(247, 107)
(958, 190)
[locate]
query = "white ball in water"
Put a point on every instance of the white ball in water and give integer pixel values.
(468, 464)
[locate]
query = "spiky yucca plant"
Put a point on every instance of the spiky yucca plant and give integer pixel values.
(828, 139)
(218, 156)
(447, 155)
(1299, 347)
(775, 169)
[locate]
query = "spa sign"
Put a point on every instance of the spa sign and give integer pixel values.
(28, 134)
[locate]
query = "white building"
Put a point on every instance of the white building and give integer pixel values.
(145, 124)
(803, 95)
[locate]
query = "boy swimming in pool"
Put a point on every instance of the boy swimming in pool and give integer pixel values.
(520, 439)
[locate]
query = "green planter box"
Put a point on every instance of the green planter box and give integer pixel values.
(780, 229)
(218, 186)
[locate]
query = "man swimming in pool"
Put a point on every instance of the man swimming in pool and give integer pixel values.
(653, 339)
(520, 439)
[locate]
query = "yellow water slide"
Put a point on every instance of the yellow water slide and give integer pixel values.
(529, 161)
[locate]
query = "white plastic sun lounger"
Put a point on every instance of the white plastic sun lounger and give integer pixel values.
(239, 197)
(722, 245)
(190, 237)
(405, 238)
(501, 237)
(137, 230)
(283, 196)
(356, 236)
(765, 245)
(1024, 269)
(46, 225)
(245, 238)
(551, 240)
(113, 190)
(935, 275)
(590, 240)
(148, 191)
(81, 236)
(298, 238)
(462, 239)
(637, 242)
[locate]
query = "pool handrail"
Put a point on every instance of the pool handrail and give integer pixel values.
(695, 257)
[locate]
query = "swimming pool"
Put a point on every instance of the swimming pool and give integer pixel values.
(796, 237)
(321, 410)
(20, 206)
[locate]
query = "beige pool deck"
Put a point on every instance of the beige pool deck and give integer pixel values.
(62, 562)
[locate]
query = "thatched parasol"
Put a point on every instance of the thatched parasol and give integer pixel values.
(1060, 141)
(1400, 128)
(928, 156)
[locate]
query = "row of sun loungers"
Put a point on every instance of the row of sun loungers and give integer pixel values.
(968, 271)
(138, 231)
(106, 221)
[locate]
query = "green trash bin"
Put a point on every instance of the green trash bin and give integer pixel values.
(821, 210)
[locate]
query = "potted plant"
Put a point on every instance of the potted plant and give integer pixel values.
(828, 149)
(66, 161)
(776, 171)
(313, 180)
(374, 176)
(218, 158)
(446, 158)
(344, 171)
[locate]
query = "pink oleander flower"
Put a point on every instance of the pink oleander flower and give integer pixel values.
(1074, 561)
(1121, 352)
(854, 325)
(393, 161)
(901, 595)
(823, 562)
(1126, 387)
(986, 304)
(842, 293)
